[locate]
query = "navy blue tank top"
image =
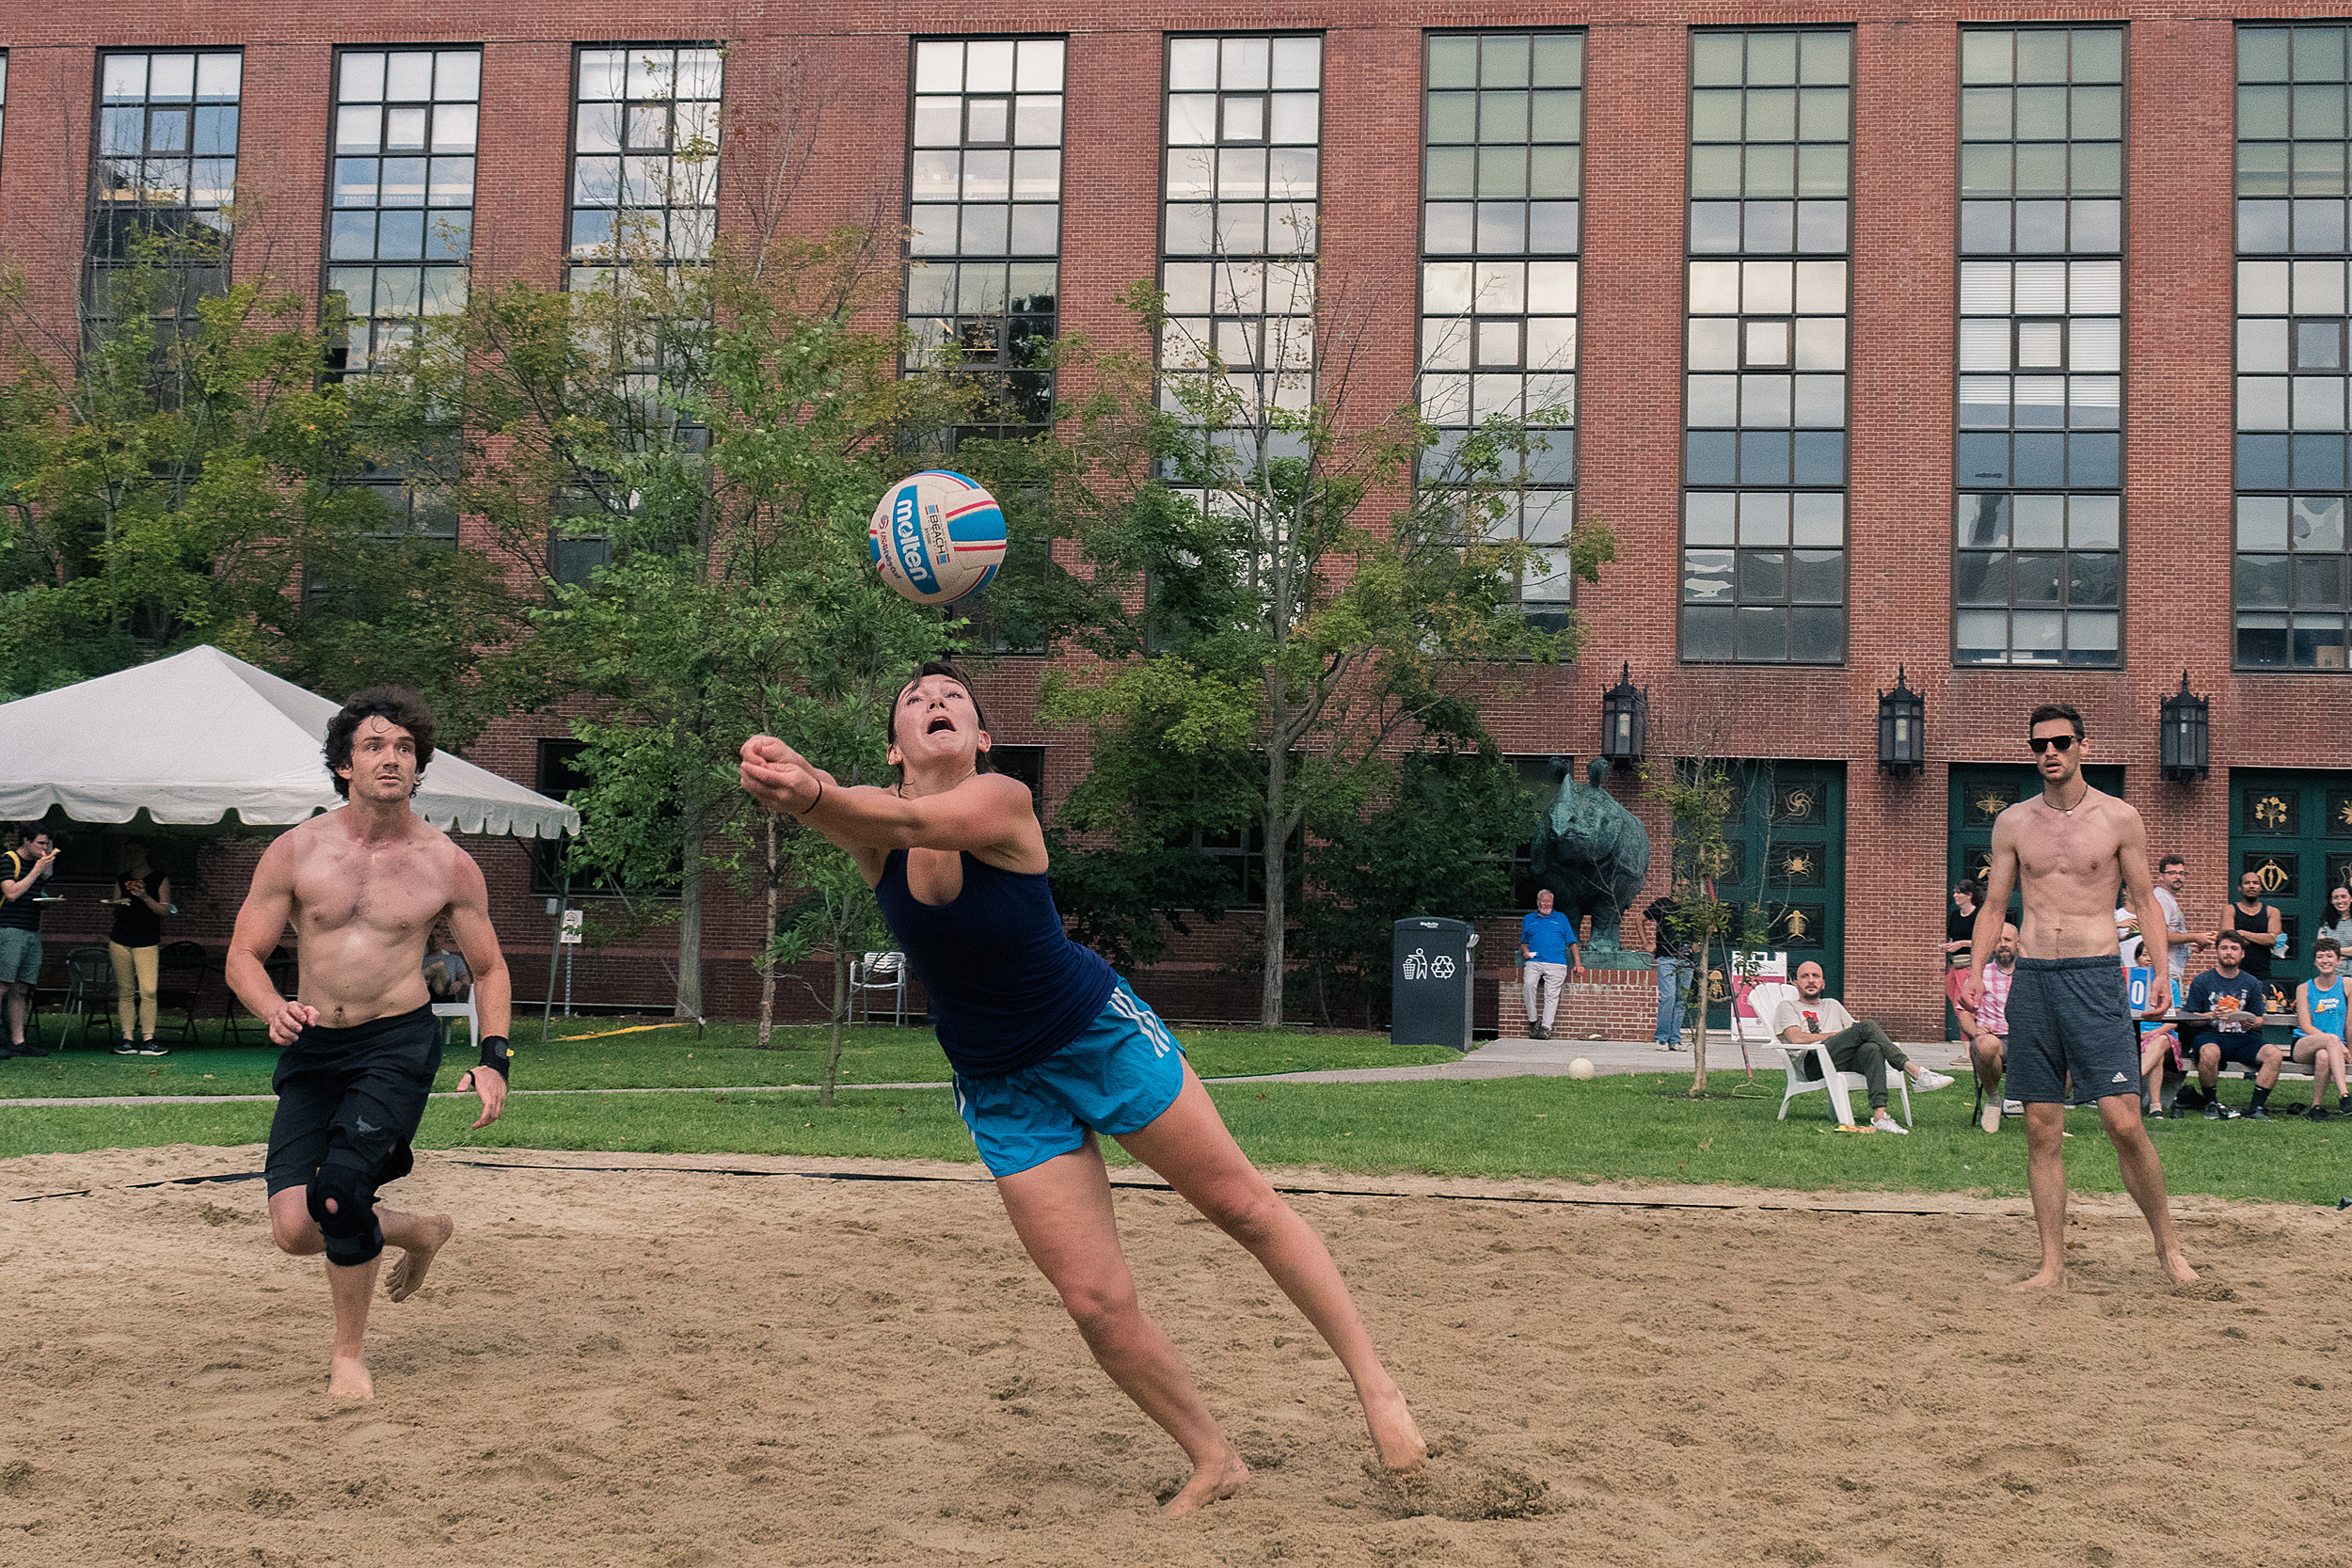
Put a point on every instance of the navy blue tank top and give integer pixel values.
(1007, 985)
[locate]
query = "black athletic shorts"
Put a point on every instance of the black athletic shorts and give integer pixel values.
(364, 1087)
(2071, 1019)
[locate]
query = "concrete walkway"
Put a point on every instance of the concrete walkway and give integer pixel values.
(1507, 1058)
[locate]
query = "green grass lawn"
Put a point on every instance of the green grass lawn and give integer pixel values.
(671, 1056)
(1635, 1129)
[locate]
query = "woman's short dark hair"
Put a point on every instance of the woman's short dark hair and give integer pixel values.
(2049, 711)
(1968, 886)
(395, 705)
(954, 672)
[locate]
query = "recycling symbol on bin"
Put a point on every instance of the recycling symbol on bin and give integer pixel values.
(1441, 967)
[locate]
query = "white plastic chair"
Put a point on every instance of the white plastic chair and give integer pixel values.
(880, 972)
(1809, 1068)
(468, 1011)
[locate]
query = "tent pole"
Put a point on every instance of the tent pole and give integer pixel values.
(547, 1014)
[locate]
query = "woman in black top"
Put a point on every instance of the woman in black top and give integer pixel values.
(136, 944)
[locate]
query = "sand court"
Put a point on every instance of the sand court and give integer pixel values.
(663, 1367)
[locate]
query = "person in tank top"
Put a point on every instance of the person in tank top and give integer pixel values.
(1052, 1050)
(2319, 1029)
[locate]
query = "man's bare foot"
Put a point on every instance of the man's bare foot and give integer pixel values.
(2176, 1265)
(2048, 1280)
(1393, 1431)
(348, 1379)
(1212, 1482)
(409, 1273)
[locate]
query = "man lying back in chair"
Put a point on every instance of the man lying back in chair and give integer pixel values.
(1809, 1017)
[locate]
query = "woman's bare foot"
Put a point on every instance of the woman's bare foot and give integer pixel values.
(1212, 1482)
(409, 1273)
(2176, 1265)
(2050, 1278)
(348, 1379)
(1394, 1432)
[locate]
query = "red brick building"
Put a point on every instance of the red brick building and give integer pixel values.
(2004, 345)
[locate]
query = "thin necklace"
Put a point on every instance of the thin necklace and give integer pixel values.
(2069, 810)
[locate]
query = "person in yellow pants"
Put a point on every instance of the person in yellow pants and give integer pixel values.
(143, 897)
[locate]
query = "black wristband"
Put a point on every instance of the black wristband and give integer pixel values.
(497, 1054)
(812, 805)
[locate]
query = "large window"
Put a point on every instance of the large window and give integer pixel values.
(1764, 457)
(2292, 362)
(166, 174)
(1503, 170)
(2037, 566)
(1243, 173)
(984, 216)
(645, 153)
(400, 226)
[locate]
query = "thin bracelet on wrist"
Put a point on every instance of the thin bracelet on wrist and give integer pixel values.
(812, 805)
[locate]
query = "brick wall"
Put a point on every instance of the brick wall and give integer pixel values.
(846, 68)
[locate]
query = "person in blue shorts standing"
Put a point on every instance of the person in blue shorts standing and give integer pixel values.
(1050, 1049)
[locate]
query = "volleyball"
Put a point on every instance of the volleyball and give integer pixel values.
(937, 536)
(1580, 1069)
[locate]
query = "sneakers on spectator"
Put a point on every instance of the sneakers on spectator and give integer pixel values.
(1990, 1117)
(2215, 1110)
(1882, 1122)
(126, 1048)
(151, 1049)
(2320, 1112)
(2256, 1112)
(1930, 1080)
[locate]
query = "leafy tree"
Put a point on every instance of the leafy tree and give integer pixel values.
(172, 472)
(1439, 844)
(1698, 793)
(1307, 607)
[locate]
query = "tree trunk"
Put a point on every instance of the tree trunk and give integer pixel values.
(1698, 1042)
(840, 1011)
(689, 914)
(1277, 882)
(768, 945)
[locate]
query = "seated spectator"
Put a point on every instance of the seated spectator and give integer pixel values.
(1988, 1028)
(1809, 1017)
(2160, 1049)
(2319, 1032)
(2236, 999)
(446, 976)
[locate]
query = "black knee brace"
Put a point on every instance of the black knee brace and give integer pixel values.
(352, 1236)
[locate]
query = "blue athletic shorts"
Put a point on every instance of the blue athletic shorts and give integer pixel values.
(1117, 1077)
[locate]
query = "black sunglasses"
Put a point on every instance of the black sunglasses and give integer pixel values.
(2042, 743)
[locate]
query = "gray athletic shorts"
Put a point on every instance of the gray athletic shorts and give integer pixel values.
(2071, 1019)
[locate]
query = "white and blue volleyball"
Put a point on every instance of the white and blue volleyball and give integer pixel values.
(937, 537)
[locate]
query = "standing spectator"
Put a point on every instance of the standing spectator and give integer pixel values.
(1547, 948)
(2339, 922)
(1960, 931)
(2255, 925)
(28, 866)
(2236, 999)
(1673, 951)
(142, 898)
(1809, 1017)
(2319, 1029)
(2172, 876)
(1988, 1028)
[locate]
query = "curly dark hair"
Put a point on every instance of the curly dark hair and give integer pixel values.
(955, 674)
(397, 705)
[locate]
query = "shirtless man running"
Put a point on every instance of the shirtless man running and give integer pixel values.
(2069, 1014)
(363, 886)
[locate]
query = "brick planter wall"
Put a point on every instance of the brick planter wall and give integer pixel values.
(1613, 1004)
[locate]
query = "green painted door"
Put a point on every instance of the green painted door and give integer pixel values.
(1980, 793)
(1786, 837)
(2295, 830)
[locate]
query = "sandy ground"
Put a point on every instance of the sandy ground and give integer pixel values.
(668, 1369)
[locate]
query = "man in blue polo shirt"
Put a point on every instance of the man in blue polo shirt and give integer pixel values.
(1547, 949)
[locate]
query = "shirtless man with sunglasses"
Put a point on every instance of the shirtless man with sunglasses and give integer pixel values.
(2070, 1020)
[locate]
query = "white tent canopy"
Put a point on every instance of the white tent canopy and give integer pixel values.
(198, 737)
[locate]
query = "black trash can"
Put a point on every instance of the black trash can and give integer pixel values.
(1431, 977)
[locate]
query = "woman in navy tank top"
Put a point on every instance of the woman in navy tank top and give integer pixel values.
(1050, 1049)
